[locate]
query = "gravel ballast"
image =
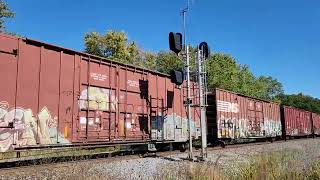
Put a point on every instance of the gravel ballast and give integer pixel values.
(154, 167)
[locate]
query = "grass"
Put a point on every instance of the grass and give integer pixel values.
(275, 165)
(314, 172)
(267, 166)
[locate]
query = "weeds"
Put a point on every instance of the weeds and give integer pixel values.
(268, 166)
(275, 165)
(314, 172)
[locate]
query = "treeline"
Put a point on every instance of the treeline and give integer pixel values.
(302, 101)
(5, 13)
(222, 69)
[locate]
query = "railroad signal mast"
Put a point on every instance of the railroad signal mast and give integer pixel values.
(202, 55)
(176, 45)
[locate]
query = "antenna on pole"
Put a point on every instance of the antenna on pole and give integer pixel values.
(187, 69)
(184, 14)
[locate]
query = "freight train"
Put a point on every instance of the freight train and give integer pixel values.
(56, 97)
(232, 117)
(52, 96)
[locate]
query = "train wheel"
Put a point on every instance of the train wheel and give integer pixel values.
(184, 147)
(223, 144)
(287, 138)
(272, 139)
(171, 147)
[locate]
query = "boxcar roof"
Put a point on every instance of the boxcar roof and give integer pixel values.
(299, 109)
(71, 51)
(239, 94)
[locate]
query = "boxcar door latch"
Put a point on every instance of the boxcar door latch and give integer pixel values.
(14, 52)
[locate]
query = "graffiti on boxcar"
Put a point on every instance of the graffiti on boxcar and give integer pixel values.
(99, 99)
(297, 132)
(26, 129)
(272, 127)
(233, 128)
(242, 128)
(293, 132)
(4, 105)
(226, 127)
(93, 123)
(173, 127)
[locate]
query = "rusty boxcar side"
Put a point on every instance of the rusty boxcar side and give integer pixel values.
(55, 96)
(316, 123)
(296, 122)
(234, 116)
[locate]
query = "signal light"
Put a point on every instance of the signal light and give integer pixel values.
(175, 42)
(205, 49)
(177, 77)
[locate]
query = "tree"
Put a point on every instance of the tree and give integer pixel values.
(133, 54)
(193, 58)
(301, 101)
(167, 61)
(224, 72)
(247, 83)
(222, 69)
(271, 88)
(113, 45)
(148, 60)
(93, 44)
(5, 12)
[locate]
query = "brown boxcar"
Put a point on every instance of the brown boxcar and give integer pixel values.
(296, 122)
(55, 96)
(234, 116)
(316, 123)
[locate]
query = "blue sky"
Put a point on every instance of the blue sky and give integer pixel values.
(279, 38)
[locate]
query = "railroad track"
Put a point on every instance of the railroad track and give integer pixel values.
(122, 155)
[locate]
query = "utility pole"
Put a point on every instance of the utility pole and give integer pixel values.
(187, 69)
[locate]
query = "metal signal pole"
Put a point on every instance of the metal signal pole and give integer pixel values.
(202, 101)
(187, 68)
